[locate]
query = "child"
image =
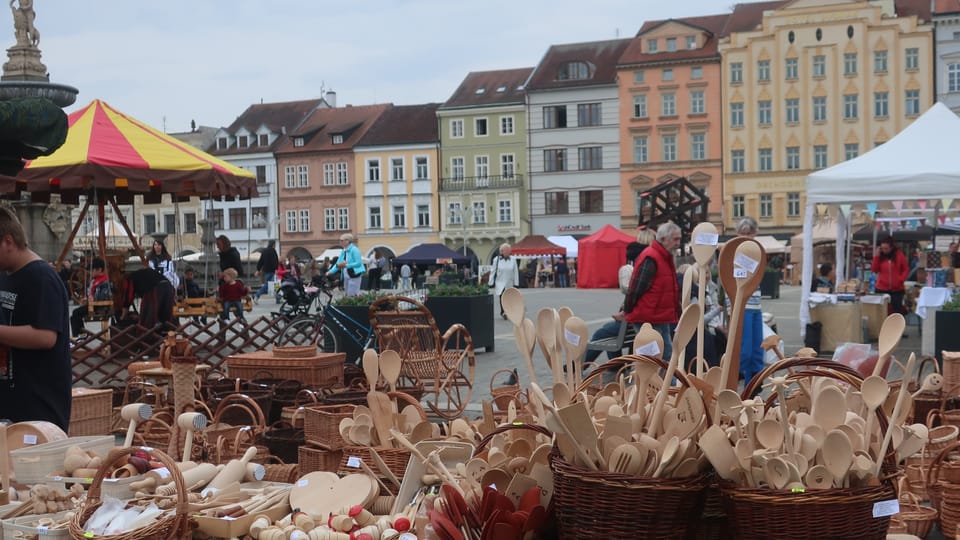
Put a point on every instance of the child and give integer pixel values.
(100, 289)
(231, 293)
(189, 288)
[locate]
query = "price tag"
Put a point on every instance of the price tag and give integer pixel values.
(162, 472)
(886, 508)
(744, 261)
(57, 478)
(41, 529)
(302, 482)
(147, 449)
(740, 273)
(573, 339)
(228, 517)
(706, 239)
(29, 439)
(353, 461)
(649, 349)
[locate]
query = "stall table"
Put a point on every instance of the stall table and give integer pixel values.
(842, 323)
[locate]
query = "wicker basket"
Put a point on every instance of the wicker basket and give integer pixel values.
(944, 496)
(33, 463)
(317, 459)
(316, 371)
(951, 368)
(925, 401)
(294, 414)
(395, 459)
(175, 525)
(504, 394)
(321, 425)
(90, 412)
(295, 351)
(916, 519)
(282, 440)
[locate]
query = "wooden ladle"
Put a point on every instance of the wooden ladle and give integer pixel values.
(576, 337)
(743, 262)
(390, 365)
(684, 331)
(704, 246)
(648, 342)
(371, 367)
(890, 333)
(514, 308)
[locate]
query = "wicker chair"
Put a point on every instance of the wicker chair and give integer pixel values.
(443, 364)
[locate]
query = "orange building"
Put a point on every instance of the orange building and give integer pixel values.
(670, 111)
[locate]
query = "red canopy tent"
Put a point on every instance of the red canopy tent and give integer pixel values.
(536, 245)
(601, 256)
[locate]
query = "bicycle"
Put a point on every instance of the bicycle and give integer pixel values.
(326, 326)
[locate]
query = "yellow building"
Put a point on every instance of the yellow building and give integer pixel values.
(810, 83)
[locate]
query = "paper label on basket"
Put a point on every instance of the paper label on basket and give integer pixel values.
(57, 478)
(706, 239)
(886, 508)
(41, 529)
(302, 482)
(740, 273)
(29, 439)
(353, 461)
(573, 339)
(650, 349)
(162, 472)
(744, 261)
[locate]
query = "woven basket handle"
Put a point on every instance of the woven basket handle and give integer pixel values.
(494, 378)
(114, 457)
(244, 400)
(933, 477)
(953, 391)
(510, 427)
(409, 400)
(255, 419)
(305, 392)
(799, 362)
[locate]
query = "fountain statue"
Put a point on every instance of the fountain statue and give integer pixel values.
(24, 73)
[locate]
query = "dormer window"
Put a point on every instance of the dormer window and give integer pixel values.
(298, 141)
(222, 143)
(671, 44)
(480, 91)
(264, 139)
(574, 71)
(691, 42)
(501, 89)
(651, 45)
(242, 141)
(338, 139)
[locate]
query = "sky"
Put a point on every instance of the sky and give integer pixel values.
(172, 61)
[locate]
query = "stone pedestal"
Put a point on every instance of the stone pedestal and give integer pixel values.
(39, 224)
(24, 65)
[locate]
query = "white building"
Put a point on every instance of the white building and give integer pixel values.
(946, 21)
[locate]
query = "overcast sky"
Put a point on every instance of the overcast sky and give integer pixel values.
(168, 62)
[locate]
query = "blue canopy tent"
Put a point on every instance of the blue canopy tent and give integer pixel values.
(427, 254)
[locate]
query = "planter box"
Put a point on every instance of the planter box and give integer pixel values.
(474, 312)
(361, 314)
(946, 337)
(770, 285)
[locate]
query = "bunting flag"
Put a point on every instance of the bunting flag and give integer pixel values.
(898, 205)
(942, 218)
(922, 204)
(872, 208)
(946, 202)
(822, 210)
(845, 209)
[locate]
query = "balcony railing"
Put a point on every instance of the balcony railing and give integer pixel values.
(470, 183)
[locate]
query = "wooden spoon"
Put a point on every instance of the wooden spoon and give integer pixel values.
(547, 337)
(742, 260)
(837, 454)
(556, 424)
(687, 287)
(704, 238)
(576, 337)
(371, 367)
(890, 333)
(776, 473)
(684, 331)
(648, 342)
(717, 448)
(513, 305)
(829, 408)
(390, 364)
(770, 434)
(818, 477)
(873, 390)
(907, 375)
(563, 314)
(625, 459)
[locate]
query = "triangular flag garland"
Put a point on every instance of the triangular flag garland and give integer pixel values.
(871, 208)
(945, 203)
(845, 209)
(922, 203)
(822, 210)
(942, 218)
(898, 205)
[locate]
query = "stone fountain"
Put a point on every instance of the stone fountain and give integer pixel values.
(24, 74)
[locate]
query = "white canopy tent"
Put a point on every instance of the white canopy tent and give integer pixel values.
(567, 241)
(919, 163)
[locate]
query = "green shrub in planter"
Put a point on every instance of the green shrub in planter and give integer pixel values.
(457, 289)
(365, 298)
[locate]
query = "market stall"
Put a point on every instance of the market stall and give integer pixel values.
(568, 242)
(601, 255)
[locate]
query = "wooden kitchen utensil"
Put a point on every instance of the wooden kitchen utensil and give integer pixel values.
(704, 237)
(742, 261)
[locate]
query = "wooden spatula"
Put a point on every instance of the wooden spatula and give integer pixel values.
(382, 415)
(576, 338)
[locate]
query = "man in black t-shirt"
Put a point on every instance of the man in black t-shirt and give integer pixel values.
(35, 371)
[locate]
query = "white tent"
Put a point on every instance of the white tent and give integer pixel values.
(567, 241)
(920, 162)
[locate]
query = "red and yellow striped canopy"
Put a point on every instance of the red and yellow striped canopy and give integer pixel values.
(108, 150)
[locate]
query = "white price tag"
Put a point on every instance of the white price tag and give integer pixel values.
(573, 339)
(162, 472)
(353, 461)
(29, 439)
(744, 261)
(41, 529)
(740, 273)
(886, 508)
(648, 349)
(706, 239)
(57, 478)
(302, 482)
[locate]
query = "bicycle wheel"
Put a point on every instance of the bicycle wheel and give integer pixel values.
(304, 331)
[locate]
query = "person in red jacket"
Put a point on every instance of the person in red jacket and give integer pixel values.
(891, 268)
(654, 294)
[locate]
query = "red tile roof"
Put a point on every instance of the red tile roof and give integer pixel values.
(602, 55)
(712, 24)
(947, 6)
(318, 129)
(404, 124)
(920, 8)
(746, 17)
(280, 116)
(468, 94)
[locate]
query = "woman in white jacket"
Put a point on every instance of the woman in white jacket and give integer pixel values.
(505, 273)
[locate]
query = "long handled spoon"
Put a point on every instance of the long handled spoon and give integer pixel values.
(576, 338)
(873, 390)
(745, 266)
(371, 367)
(890, 333)
(685, 329)
(547, 337)
(648, 342)
(907, 375)
(704, 246)
(514, 308)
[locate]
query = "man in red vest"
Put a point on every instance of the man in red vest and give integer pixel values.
(654, 294)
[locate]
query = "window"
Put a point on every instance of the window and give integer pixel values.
(651, 45)
(421, 168)
(242, 141)
(739, 207)
(343, 218)
(479, 212)
(555, 116)
(337, 139)
(820, 109)
(170, 223)
(506, 125)
(373, 170)
(793, 204)
(456, 128)
(696, 72)
(342, 177)
(697, 102)
(505, 211)
(763, 71)
(793, 157)
(189, 222)
(480, 127)
(850, 63)
(289, 177)
(329, 174)
(737, 161)
(879, 61)
(222, 143)
(297, 143)
(423, 215)
(736, 72)
(588, 114)
(259, 219)
(556, 202)
(291, 220)
(912, 57)
(304, 220)
(454, 214)
(638, 76)
(953, 77)
(640, 149)
(640, 105)
(507, 165)
(850, 107)
(481, 167)
(819, 66)
(589, 158)
(215, 215)
(764, 112)
(396, 169)
(669, 143)
(591, 201)
(554, 160)
(792, 108)
(736, 115)
(573, 71)
(765, 156)
(457, 168)
(851, 150)
(671, 44)
(375, 217)
(238, 218)
(698, 146)
(303, 176)
(668, 104)
(790, 69)
(399, 216)
(329, 219)
(912, 104)
(820, 156)
(667, 75)
(263, 139)
(691, 42)
(766, 205)
(261, 172)
(880, 109)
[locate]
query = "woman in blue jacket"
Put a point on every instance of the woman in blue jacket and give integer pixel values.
(351, 264)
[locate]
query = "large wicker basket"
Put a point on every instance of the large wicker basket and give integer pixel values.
(318, 459)
(90, 412)
(321, 425)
